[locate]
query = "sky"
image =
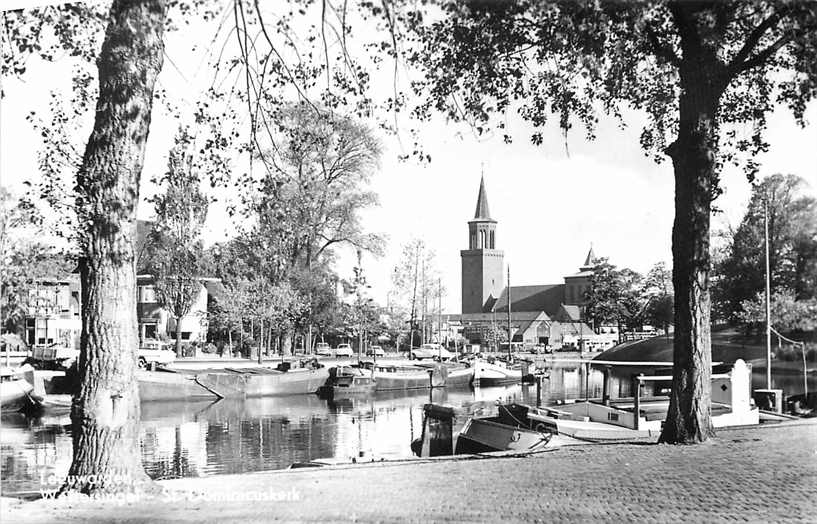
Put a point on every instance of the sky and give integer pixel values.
(551, 204)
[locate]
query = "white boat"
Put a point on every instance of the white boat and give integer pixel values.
(459, 376)
(516, 427)
(15, 391)
(636, 417)
(229, 383)
(390, 377)
(497, 373)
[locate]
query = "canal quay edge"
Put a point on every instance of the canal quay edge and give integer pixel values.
(760, 474)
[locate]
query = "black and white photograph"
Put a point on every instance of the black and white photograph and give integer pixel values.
(408, 261)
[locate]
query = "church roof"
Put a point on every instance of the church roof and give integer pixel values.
(590, 260)
(482, 211)
(571, 313)
(591, 257)
(516, 316)
(547, 298)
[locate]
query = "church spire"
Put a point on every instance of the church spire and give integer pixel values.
(590, 261)
(482, 211)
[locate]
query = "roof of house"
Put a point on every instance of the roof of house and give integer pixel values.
(547, 298)
(214, 288)
(526, 324)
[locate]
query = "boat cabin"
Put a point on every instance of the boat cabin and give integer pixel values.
(731, 406)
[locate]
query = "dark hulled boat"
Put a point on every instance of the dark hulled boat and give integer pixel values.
(509, 430)
(346, 381)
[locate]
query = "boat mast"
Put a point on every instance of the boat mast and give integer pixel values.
(768, 298)
(510, 335)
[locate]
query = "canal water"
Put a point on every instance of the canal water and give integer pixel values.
(191, 439)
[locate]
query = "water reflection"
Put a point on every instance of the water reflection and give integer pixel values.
(189, 439)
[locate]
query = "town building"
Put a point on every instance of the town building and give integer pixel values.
(550, 314)
(52, 314)
(158, 323)
(53, 306)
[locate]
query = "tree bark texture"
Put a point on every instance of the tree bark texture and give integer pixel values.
(105, 411)
(693, 155)
(178, 337)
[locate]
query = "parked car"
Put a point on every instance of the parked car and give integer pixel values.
(375, 351)
(344, 350)
(430, 351)
(155, 351)
(322, 349)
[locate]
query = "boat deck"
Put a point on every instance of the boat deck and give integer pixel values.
(656, 408)
(235, 371)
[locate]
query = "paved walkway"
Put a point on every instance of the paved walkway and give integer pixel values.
(765, 474)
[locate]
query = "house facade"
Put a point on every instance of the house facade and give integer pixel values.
(53, 312)
(156, 322)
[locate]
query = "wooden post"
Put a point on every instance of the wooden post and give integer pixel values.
(636, 401)
(805, 373)
(437, 437)
(587, 380)
(538, 391)
(260, 344)
(605, 393)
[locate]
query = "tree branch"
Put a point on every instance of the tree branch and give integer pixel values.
(661, 50)
(739, 63)
(764, 55)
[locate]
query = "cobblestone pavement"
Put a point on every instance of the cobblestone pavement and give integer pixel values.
(765, 474)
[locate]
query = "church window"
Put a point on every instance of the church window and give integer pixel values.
(482, 239)
(492, 240)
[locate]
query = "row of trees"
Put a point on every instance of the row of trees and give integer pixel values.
(416, 292)
(627, 299)
(278, 270)
(740, 270)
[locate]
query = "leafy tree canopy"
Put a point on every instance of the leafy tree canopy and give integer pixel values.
(792, 214)
(573, 59)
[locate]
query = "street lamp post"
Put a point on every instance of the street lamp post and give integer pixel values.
(768, 298)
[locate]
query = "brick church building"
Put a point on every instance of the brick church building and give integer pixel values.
(540, 314)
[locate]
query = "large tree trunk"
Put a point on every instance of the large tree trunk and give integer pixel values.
(105, 411)
(179, 337)
(693, 155)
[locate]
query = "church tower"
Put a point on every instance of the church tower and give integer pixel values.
(482, 263)
(577, 285)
